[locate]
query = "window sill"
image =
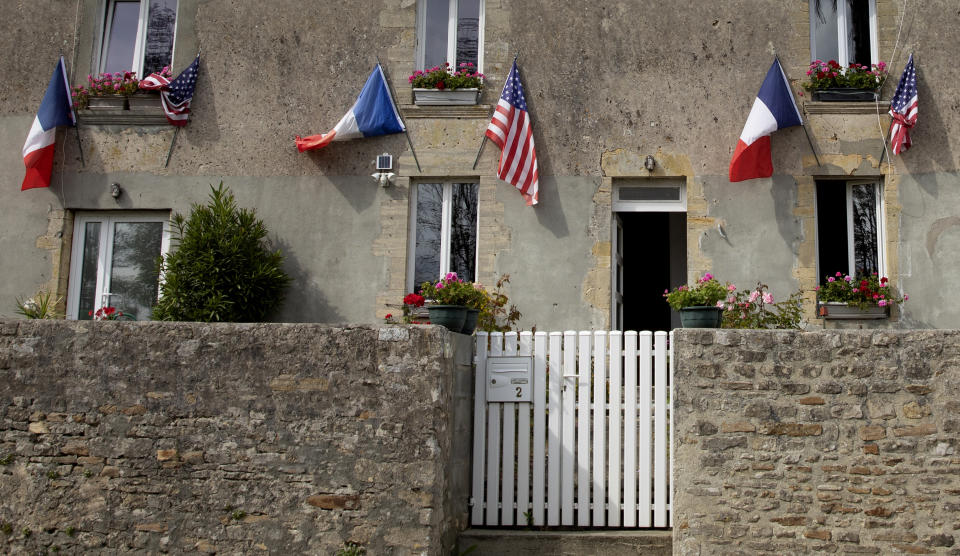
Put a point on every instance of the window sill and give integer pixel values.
(855, 107)
(133, 118)
(842, 311)
(469, 111)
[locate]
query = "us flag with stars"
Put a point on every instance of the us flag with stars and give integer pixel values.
(511, 130)
(903, 109)
(175, 96)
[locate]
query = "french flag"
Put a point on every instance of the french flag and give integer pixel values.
(774, 109)
(373, 114)
(55, 110)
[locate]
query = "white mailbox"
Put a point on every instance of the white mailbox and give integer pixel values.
(509, 379)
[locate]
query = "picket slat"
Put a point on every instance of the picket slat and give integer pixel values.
(643, 438)
(568, 409)
(555, 375)
(479, 428)
(591, 446)
(599, 427)
(523, 444)
(630, 429)
(584, 377)
(670, 355)
(660, 431)
(539, 427)
(613, 452)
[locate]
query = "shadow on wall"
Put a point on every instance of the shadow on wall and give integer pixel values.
(304, 301)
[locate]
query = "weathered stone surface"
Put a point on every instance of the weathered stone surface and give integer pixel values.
(293, 438)
(861, 463)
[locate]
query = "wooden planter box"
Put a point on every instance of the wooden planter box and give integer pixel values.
(111, 102)
(842, 311)
(436, 97)
(143, 102)
(846, 95)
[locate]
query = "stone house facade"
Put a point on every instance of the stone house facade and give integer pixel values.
(636, 112)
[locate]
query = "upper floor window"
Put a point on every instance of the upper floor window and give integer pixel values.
(443, 232)
(850, 233)
(449, 31)
(844, 30)
(137, 35)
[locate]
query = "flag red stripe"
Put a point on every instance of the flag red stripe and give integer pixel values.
(39, 163)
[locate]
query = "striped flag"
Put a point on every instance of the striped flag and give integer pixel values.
(903, 109)
(175, 96)
(55, 110)
(512, 131)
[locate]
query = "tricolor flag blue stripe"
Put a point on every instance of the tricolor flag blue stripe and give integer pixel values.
(374, 113)
(773, 109)
(56, 109)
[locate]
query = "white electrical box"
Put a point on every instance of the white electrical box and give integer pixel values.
(509, 379)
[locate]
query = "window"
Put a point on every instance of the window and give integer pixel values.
(449, 31)
(844, 30)
(850, 234)
(444, 232)
(137, 35)
(114, 262)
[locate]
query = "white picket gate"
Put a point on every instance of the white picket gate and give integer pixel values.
(591, 448)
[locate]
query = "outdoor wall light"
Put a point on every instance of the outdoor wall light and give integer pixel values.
(115, 190)
(385, 179)
(650, 163)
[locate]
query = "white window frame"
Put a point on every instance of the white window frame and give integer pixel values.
(843, 15)
(881, 227)
(140, 45)
(105, 251)
(452, 20)
(651, 205)
(446, 212)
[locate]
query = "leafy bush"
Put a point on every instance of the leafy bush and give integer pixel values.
(496, 315)
(862, 291)
(830, 74)
(450, 290)
(42, 306)
(757, 309)
(222, 269)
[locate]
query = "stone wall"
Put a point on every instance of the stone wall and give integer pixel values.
(800, 442)
(177, 437)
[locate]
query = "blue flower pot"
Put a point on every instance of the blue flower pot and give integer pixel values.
(701, 316)
(450, 316)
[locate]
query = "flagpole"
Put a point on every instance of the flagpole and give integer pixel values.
(83, 163)
(483, 142)
(393, 96)
(172, 143)
(802, 123)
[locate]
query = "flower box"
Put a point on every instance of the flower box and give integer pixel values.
(143, 102)
(445, 97)
(846, 95)
(107, 102)
(841, 311)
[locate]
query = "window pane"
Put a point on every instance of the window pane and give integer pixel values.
(824, 21)
(435, 34)
(160, 27)
(88, 271)
(832, 254)
(858, 32)
(463, 231)
(122, 36)
(865, 228)
(134, 272)
(427, 252)
(468, 31)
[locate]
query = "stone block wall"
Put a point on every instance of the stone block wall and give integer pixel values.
(156, 437)
(801, 442)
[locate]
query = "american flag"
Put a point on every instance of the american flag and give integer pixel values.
(903, 109)
(175, 95)
(511, 130)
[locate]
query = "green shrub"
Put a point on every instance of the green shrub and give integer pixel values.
(222, 269)
(757, 309)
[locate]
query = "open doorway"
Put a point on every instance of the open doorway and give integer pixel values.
(649, 252)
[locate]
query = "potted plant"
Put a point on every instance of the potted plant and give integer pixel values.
(700, 305)
(831, 82)
(476, 298)
(449, 296)
(757, 309)
(107, 91)
(444, 86)
(863, 297)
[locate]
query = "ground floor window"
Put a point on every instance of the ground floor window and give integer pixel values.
(443, 231)
(850, 234)
(115, 262)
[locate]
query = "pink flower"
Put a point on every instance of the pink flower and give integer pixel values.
(817, 288)
(855, 290)
(906, 297)
(753, 296)
(731, 288)
(882, 303)
(720, 304)
(831, 279)
(768, 297)
(708, 276)
(439, 285)
(847, 278)
(839, 274)
(731, 299)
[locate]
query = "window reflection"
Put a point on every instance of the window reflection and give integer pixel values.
(468, 31)
(865, 247)
(435, 35)
(463, 230)
(160, 29)
(134, 272)
(429, 217)
(121, 39)
(88, 270)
